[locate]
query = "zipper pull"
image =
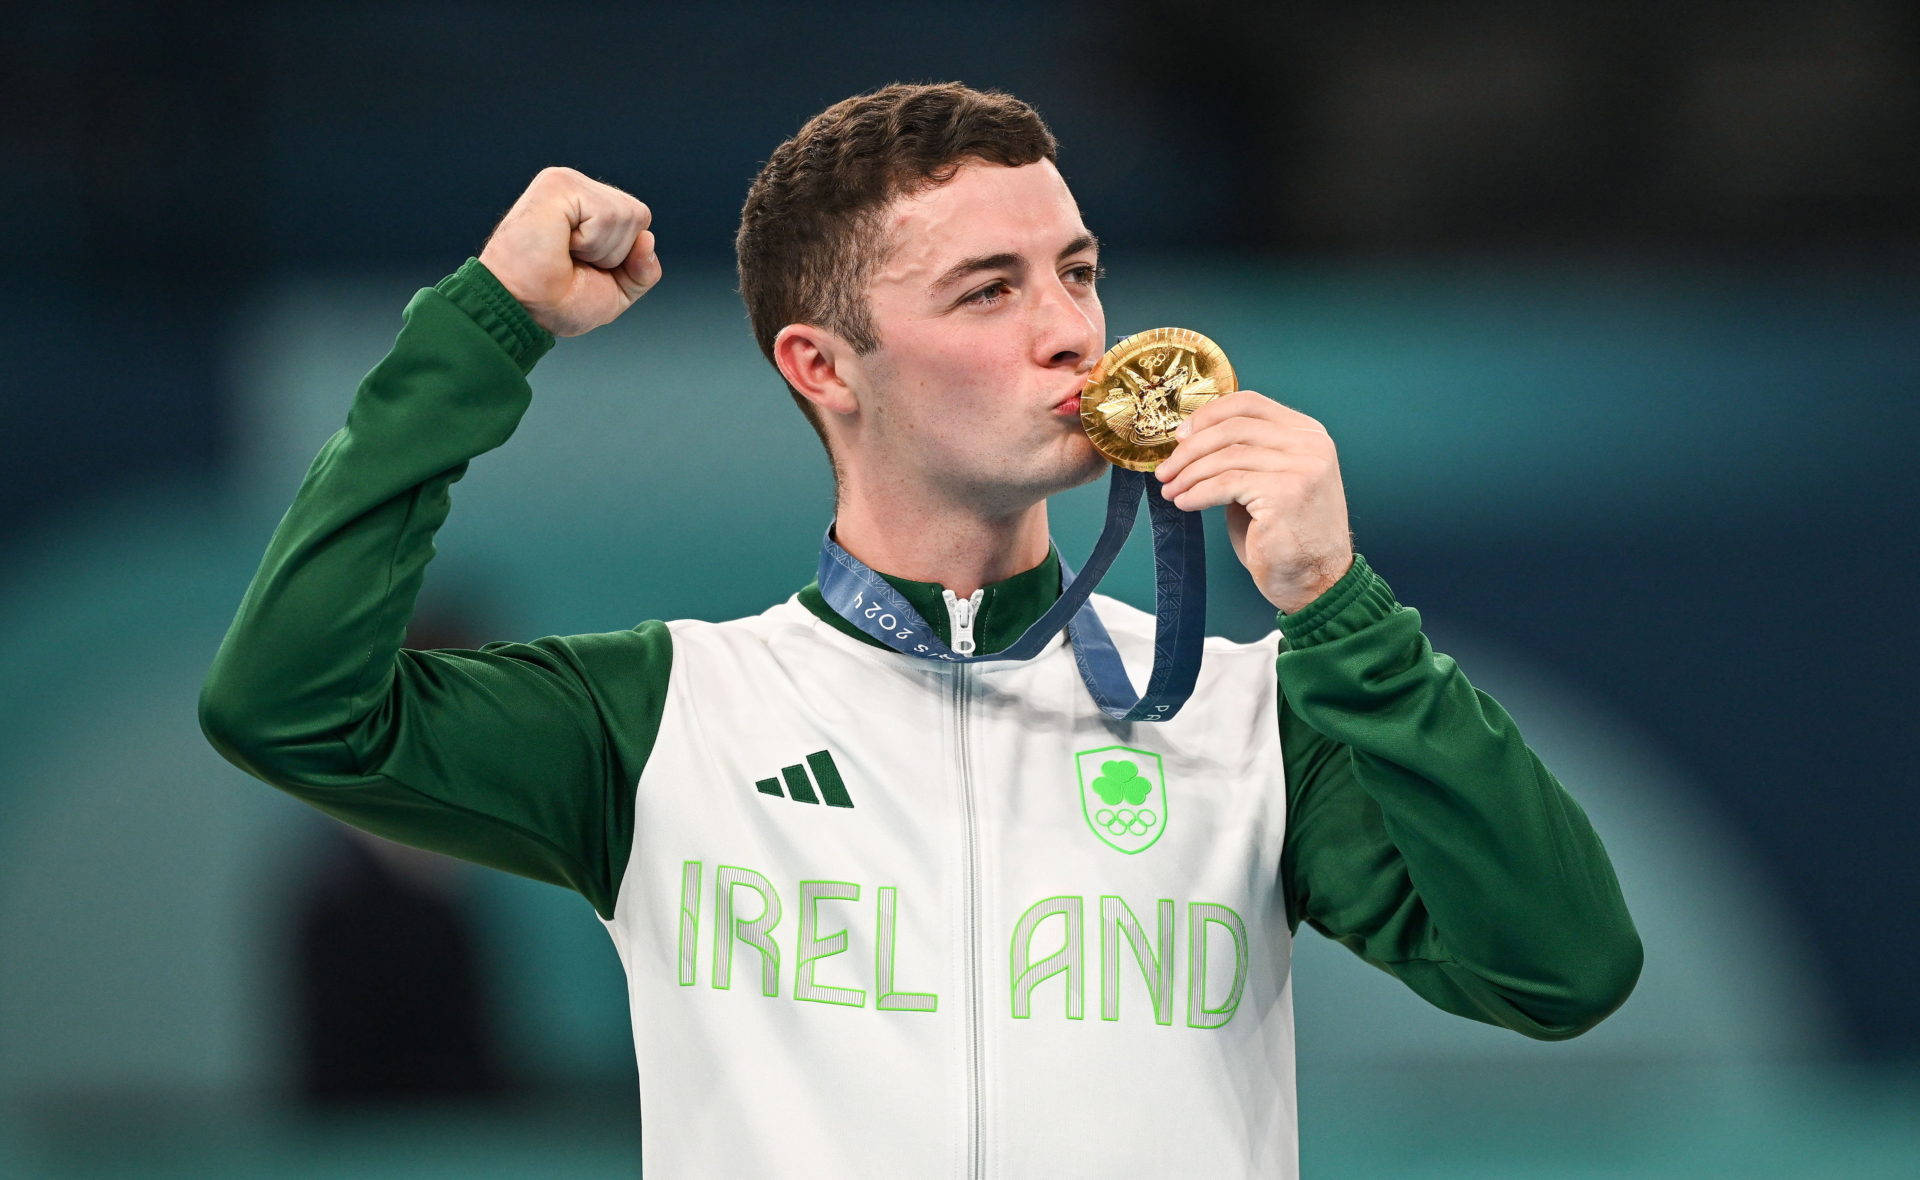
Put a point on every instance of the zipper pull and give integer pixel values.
(960, 614)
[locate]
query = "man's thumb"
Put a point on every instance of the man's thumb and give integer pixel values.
(640, 270)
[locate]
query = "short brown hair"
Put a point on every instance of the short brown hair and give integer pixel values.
(809, 237)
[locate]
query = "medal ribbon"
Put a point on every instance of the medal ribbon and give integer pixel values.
(870, 603)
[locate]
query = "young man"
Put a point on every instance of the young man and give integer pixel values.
(888, 916)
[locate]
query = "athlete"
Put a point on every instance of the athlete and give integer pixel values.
(888, 916)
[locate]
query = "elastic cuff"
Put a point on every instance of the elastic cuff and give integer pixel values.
(474, 290)
(1359, 599)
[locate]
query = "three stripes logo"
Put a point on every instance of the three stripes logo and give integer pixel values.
(832, 792)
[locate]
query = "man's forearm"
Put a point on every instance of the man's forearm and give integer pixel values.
(310, 652)
(1428, 838)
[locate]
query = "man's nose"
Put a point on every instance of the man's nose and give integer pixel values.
(1067, 337)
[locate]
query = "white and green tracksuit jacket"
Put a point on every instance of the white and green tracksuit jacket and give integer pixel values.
(896, 918)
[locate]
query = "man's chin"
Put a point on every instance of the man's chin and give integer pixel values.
(1091, 471)
(1061, 470)
(1083, 470)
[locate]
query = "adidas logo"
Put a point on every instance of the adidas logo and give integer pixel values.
(832, 791)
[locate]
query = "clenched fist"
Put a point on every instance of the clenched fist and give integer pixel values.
(575, 252)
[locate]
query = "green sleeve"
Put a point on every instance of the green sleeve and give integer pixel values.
(1427, 838)
(521, 756)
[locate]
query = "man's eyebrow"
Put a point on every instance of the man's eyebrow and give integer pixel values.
(967, 266)
(1083, 242)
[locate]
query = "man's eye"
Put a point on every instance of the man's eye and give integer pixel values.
(1089, 273)
(987, 295)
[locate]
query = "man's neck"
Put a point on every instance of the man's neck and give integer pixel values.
(959, 549)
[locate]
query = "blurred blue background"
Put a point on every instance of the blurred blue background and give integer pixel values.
(1614, 313)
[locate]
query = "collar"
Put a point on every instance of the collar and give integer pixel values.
(1007, 608)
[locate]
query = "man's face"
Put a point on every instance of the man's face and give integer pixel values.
(988, 321)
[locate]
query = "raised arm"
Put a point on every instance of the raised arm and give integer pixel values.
(518, 755)
(1425, 836)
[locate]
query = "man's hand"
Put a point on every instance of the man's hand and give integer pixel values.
(575, 252)
(1276, 471)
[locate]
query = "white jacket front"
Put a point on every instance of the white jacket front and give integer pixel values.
(1015, 938)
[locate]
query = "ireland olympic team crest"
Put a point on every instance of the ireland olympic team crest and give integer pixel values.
(1123, 793)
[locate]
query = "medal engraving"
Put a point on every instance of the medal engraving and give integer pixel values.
(1145, 387)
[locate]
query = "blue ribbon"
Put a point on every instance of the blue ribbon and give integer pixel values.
(870, 603)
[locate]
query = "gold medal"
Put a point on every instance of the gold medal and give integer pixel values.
(1145, 387)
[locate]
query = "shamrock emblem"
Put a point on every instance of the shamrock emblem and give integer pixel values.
(1114, 794)
(1120, 781)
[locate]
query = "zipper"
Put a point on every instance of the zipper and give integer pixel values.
(961, 613)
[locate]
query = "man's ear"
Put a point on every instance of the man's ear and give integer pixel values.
(817, 363)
